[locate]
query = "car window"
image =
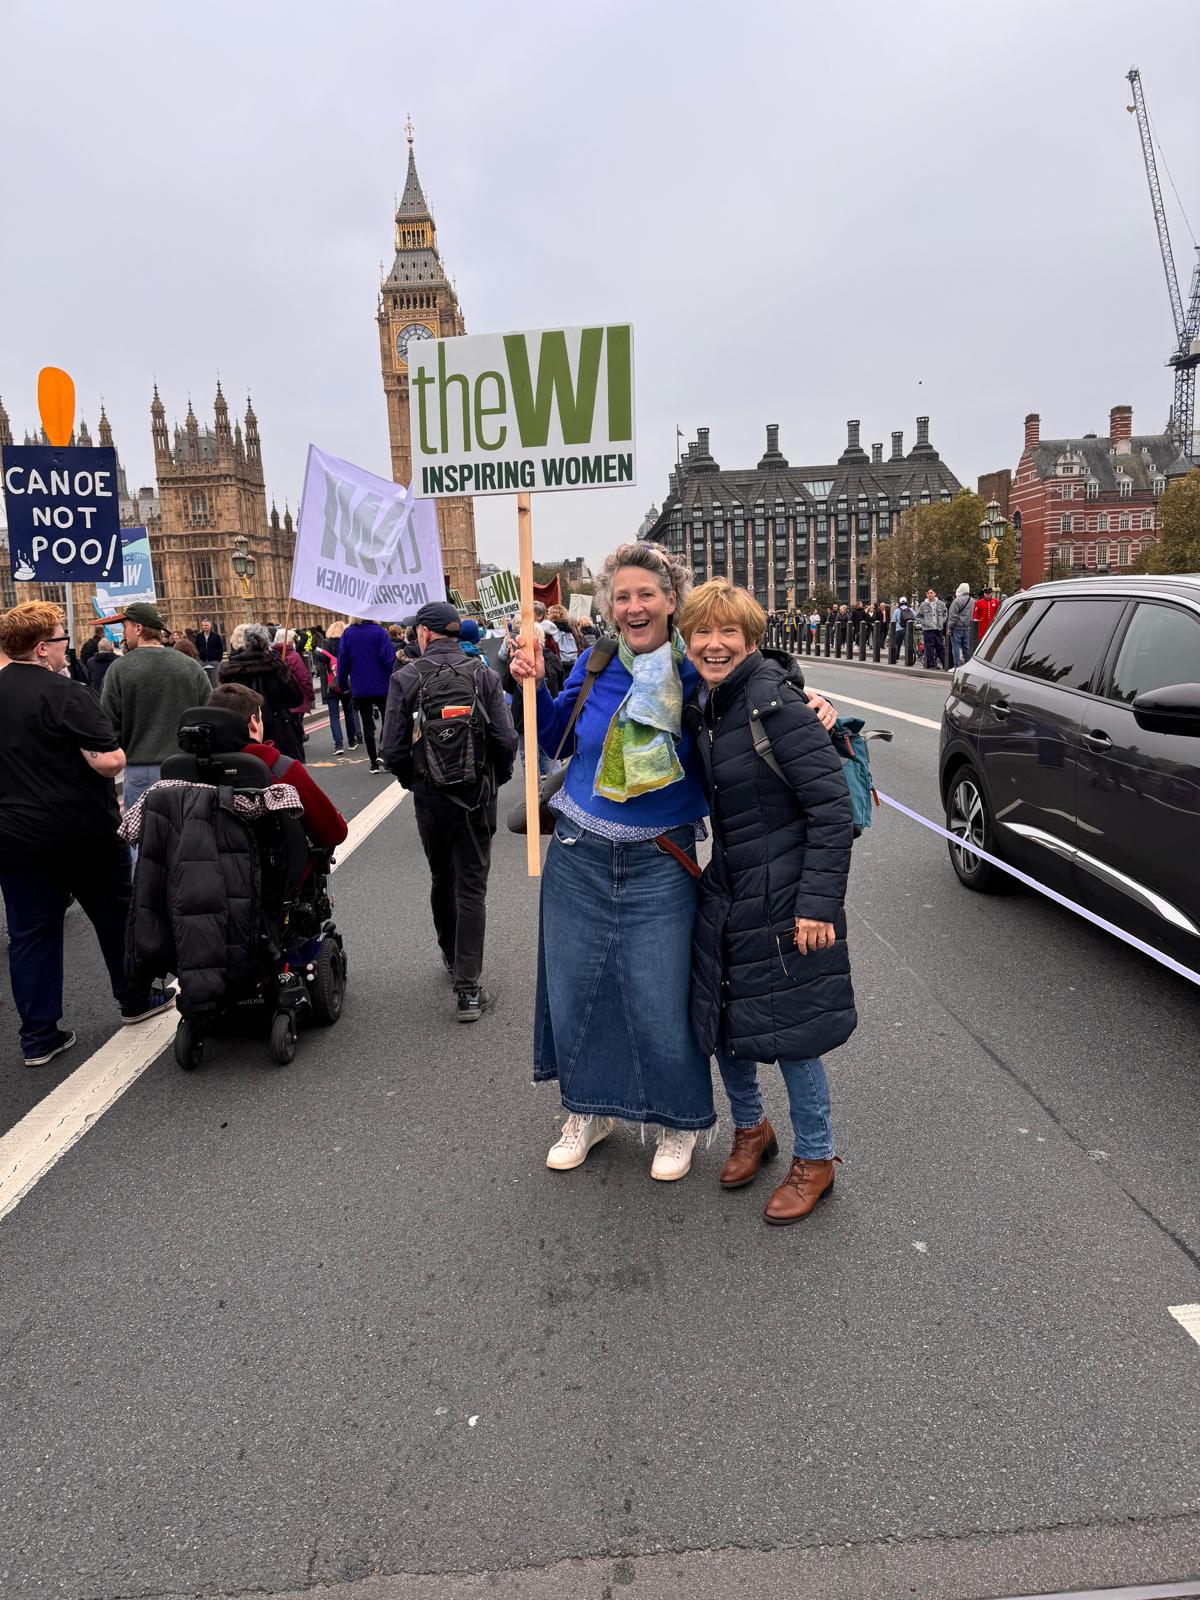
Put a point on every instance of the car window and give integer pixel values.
(1067, 642)
(1161, 646)
(1001, 639)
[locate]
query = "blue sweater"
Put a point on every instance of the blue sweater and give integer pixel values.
(663, 808)
(366, 657)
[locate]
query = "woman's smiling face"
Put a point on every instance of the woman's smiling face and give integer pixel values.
(716, 648)
(640, 609)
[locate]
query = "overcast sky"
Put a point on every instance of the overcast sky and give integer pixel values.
(807, 212)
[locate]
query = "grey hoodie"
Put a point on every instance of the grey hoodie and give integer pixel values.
(961, 608)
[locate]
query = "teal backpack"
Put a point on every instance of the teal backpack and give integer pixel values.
(850, 742)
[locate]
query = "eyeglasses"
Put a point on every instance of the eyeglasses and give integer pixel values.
(58, 638)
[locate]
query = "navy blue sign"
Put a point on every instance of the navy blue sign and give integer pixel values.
(64, 516)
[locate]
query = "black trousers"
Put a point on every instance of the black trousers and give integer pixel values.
(458, 847)
(366, 705)
(36, 893)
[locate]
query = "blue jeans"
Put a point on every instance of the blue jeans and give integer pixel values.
(808, 1102)
(137, 780)
(335, 722)
(960, 646)
(36, 892)
(614, 974)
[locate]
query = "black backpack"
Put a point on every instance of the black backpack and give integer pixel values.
(450, 753)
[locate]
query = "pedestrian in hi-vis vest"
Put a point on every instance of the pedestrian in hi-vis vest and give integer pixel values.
(448, 736)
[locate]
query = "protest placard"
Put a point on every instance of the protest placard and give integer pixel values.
(64, 517)
(500, 596)
(137, 576)
(364, 545)
(512, 412)
(515, 412)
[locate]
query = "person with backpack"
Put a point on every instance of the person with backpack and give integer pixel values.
(770, 964)
(959, 621)
(448, 736)
(901, 617)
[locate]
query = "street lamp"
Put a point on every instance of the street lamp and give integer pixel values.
(244, 566)
(991, 530)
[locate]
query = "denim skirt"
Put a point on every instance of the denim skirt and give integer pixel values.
(614, 969)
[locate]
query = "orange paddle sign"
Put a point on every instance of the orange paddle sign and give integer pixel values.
(56, 402)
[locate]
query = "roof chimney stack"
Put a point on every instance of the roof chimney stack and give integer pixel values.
(876, 455)
(773, 456)
(1120, 424)
(922, 433)
(897, 446)
(1033, 430)
(852, 432)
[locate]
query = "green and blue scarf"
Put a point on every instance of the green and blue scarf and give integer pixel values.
(639, 752)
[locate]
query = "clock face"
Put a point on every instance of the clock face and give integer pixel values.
(415, 330)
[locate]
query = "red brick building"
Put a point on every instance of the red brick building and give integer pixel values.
(1091, 501)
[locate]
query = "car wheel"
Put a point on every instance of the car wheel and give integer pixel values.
(968, 818)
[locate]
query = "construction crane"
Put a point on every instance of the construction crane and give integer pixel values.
(1185, 357)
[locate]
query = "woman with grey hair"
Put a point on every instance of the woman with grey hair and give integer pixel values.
(254, 661)
(615, 936)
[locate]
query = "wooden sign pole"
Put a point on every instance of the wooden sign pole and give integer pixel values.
(533, 837)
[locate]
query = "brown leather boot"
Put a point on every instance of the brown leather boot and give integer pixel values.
(751, 1147)
(805, 1184)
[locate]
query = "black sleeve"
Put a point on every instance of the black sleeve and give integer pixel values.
(395, 745)
(81, 719)
(502, 732)
(813, 768)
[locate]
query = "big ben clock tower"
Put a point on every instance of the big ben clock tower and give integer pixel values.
(417, 301)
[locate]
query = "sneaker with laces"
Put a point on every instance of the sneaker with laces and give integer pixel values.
(673, 1158)
(578, 1136)
(159, 1000)
(339, 754)
(353, 745)
(472, 1003)
(65, 1038)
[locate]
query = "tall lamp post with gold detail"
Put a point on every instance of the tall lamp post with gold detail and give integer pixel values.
(244, 566)
(991, 530)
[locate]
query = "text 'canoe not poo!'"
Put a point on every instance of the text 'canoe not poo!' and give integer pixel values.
(503, 413)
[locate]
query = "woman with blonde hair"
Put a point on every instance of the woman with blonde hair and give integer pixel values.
(771, 968)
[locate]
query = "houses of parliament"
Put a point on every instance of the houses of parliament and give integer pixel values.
(211, 487)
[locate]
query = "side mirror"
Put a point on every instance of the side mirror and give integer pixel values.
(1173, 709)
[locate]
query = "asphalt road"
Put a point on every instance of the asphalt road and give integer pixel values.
(337, 1327)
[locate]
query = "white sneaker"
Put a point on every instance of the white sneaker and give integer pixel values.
(673, 1157)
(578, 1136)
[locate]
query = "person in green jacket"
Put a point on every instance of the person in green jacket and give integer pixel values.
(145, 693)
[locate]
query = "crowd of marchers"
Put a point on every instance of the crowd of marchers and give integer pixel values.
(673, 723)
(944, 633)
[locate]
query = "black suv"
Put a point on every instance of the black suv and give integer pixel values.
(1071, 748)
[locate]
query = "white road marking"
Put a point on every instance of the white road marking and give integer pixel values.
(44, 1135)
(1188, 1318)
(836, 697)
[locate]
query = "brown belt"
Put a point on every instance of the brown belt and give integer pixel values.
(684, 860)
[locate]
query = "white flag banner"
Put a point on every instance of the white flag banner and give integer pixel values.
(364, 545)
(581, 608)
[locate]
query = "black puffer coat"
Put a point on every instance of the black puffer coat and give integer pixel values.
(196, 896)
(265, 672)
(780, 851)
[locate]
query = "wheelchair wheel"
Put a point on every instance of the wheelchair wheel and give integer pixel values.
(329, 983)
(283, 1037)
(189, 1044)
